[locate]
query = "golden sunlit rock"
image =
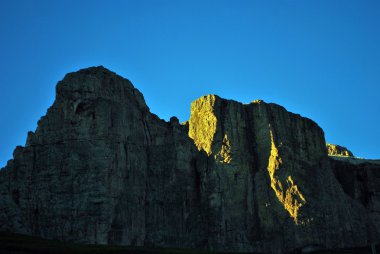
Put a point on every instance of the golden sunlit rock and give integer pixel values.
(202, 123)
(224, 155)
(337, 150)
(287, 192)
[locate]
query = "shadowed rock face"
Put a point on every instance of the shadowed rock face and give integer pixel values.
(360, 180)
(100, 168)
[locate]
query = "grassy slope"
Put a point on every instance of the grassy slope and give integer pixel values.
(22, 244)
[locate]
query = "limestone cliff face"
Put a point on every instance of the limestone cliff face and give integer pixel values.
(100, 168)
(273, 186)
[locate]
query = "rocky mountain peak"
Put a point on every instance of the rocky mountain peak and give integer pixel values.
(100, 168)
(97, 82)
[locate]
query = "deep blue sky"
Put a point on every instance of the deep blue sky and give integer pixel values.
(319, 58)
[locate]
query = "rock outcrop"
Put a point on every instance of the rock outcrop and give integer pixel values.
(101, 168)
(337, 150)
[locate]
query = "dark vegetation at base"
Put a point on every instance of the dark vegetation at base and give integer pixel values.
(22, 244)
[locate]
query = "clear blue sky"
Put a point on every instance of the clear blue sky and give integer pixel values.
(319, 58)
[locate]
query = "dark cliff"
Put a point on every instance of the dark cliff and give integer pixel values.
(100, 168)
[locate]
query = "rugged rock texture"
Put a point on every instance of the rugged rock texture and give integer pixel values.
(337, 150)
(100, 168)
(360, 180)
(271, 187)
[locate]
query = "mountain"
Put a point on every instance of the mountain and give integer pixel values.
(101, 168)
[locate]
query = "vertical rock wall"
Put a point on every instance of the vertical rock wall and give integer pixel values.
(360, 180)
(100, 168)
(273, 185)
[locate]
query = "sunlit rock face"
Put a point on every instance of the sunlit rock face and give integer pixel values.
(100, 168)
(277, 191)
(337, 150)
